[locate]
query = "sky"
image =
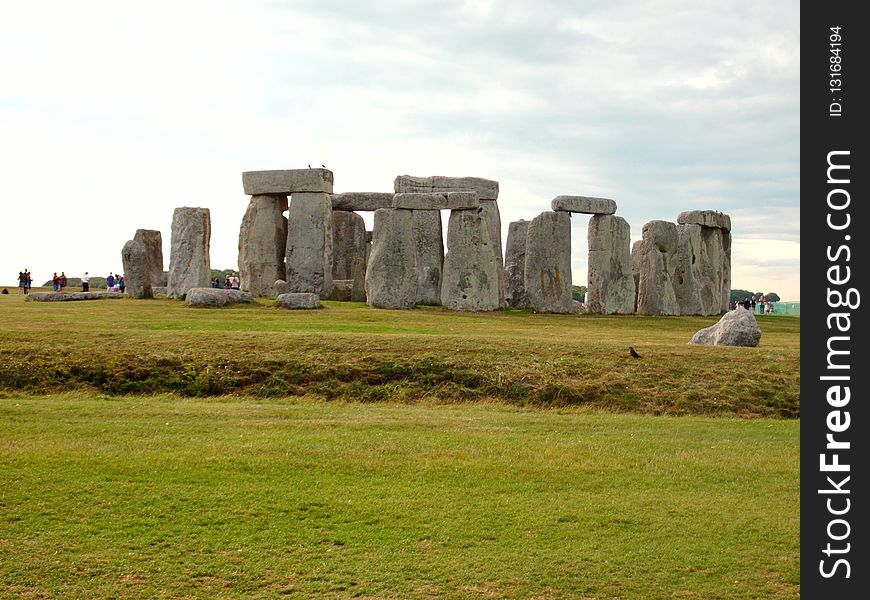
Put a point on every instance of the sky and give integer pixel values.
(114, 113)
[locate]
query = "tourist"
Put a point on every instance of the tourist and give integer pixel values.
(29, 280)
(86, 280)
(119, 281)
(752, 304)
(55, 282)
(22, 282)
(227, 283)
(110, 282)
(762, 302)
(215, 283)
(62, 281)
(5, 292)
(234, 282)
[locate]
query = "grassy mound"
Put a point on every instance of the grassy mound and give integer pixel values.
(352, 352)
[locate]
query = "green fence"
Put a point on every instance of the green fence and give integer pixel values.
(787, 308)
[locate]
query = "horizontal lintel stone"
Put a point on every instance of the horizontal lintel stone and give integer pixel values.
(705, 218)
(364, 201)
(287, 181)
(437, 201)
(584, 204)
(486, 189)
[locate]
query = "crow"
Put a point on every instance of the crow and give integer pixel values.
(309, 166)
(633, 352)
(324, 166)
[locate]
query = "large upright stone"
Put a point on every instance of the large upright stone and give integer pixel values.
(288, 181)
(349, 252)
(365, 201)
(584, 204)
(657, 262)
(153, 242)
(262, 240)
(491, 216)
(471, 266)
(703, 269)
(515, 265)
(548, 263)
(486, 189)
(610, 283)
(137, 275)
(189, 264)
(428, 255)
(391, 275)
(309, 244)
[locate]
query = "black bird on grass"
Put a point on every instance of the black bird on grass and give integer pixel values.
(633, 352)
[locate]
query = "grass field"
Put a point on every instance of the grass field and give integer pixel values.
(358, 453)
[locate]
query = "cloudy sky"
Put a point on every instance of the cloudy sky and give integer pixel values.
(114, 113)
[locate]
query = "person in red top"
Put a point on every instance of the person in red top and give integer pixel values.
(55, 282)
(62, 281)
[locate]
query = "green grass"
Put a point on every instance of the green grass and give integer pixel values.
(165, 496)
(351, 352)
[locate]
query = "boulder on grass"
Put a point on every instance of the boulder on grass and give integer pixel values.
(736, 328)
(298, 300)
(215, 297)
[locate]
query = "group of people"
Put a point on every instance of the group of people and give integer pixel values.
(760, 304)
(58, 282)
(114, 283)
(231, 282)
(25, 281)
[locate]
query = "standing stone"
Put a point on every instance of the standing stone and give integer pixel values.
(309, 244)
(635, 268)
(261, 244)
(391, 275)
(492, 218)
(428, 255)
(471, 266)
(153, 242)
(548, 262)
(726, 272)
(611, 283)
(137, 275)
(515, 265)
(701, 279)
(189, 264)
(657, 265)
(349, 252)
(687, 285)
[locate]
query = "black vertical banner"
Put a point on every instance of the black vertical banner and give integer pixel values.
(835, 351)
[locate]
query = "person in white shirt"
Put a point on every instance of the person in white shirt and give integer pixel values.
(86, 279)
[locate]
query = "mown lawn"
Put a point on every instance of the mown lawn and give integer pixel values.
(355, 353)
(106, 496)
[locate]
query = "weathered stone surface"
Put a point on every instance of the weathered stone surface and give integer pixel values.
(262, 240)
(657, 262)
(471, 268)
(737, 327)
(701, 280)
(299, 300)
(189, 264)
(486, 189)
(159, 290)
(436, 201)
(342, 290)
(137, 272)
(548, 263)
(369, 235)
(285, 182)
(281, 287)
(365, 201)
(705, 218)
(515, 265)
(492, 217)
(207, 297)
(391, 274)
(71, 296)
(610, 283)
(309, 244)
(428, 255)
(635, 268)
(349, 252)
(584, 204)
(153, 242)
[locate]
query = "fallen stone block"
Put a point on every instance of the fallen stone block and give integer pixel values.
(207, 297)
(299, 300)
(737, 327)
(71, 296)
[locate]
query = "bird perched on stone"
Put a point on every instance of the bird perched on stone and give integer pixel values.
(309, 166)
(633, 352)
(324, 166)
